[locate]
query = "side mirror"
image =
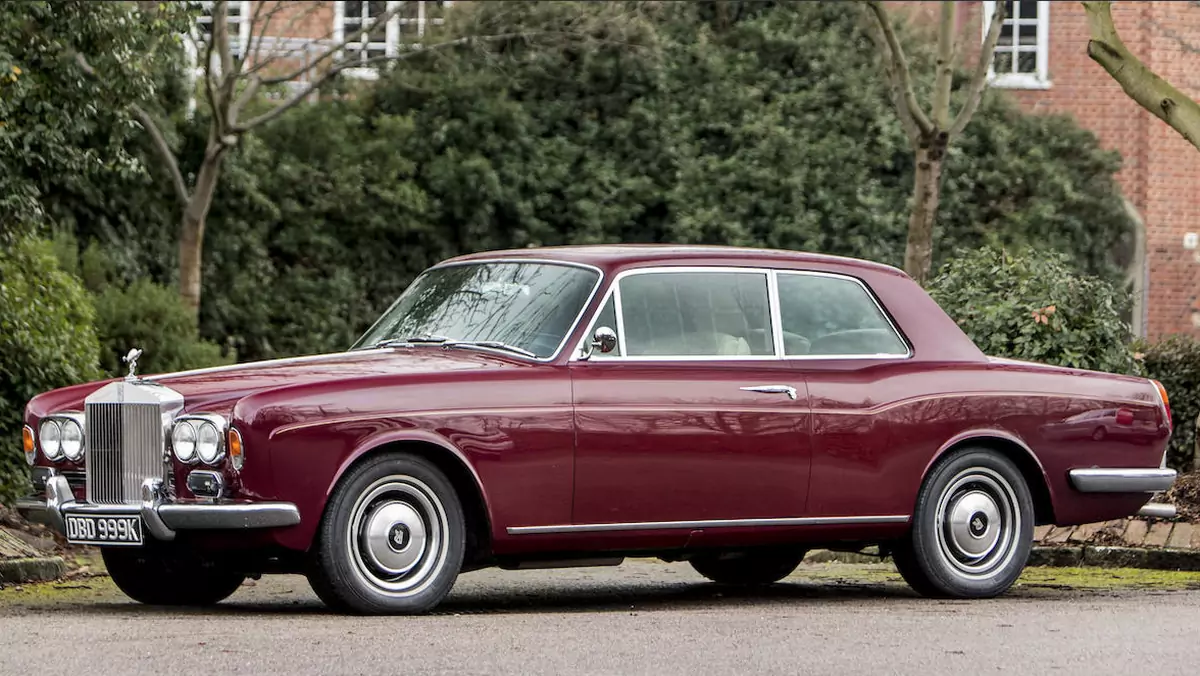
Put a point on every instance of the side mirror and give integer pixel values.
(604, 340)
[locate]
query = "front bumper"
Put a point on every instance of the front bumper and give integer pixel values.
(1121, 480)
(162, 518)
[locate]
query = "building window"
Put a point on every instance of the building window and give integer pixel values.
(1022, 54)
(409, 23)
(238, 20)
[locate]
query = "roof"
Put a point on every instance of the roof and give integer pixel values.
(619, 255)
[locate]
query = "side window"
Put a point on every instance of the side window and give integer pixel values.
(833, 316)
(713, 314)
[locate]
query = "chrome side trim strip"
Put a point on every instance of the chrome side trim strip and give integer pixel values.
(1121, 480)
(715, 523)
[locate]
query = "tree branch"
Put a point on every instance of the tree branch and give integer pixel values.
(1139, 82)
(255, 58)
(324, 76)
(156, 135)
(944, 67)
(247, 95)
(311, 66)
(898, 70)
(220, 35)
(165, 154)
(978, 80)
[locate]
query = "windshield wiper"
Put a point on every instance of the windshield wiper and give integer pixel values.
(414, 340)
(494, 344)
(447, 342)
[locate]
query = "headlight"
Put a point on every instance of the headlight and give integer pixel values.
(50, 436)
(208, 443)
(71, 439)
(183, 442)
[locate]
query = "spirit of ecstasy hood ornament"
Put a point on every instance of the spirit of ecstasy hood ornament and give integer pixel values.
(131, 359)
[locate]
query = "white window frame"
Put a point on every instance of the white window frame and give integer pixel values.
(1038, 80)
(392, 37)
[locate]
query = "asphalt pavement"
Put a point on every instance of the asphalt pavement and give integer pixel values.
(641, 618)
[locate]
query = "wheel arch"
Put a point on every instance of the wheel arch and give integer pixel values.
(1015, 450)
(454, 464)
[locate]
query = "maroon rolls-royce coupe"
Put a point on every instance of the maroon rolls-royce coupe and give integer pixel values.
(731, 408)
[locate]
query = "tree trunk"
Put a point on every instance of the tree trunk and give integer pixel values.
(1141, 84)
(918, 253)
(191, 235)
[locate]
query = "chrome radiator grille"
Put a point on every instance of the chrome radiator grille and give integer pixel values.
(124, 446)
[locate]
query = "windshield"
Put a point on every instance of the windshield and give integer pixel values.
(529, 306)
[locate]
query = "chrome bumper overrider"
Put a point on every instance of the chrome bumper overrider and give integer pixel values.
(162, 518)
(1109, 480)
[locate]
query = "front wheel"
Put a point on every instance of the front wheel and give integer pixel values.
(972, 529)
(391, 540)
(159, 576)
(748, 568)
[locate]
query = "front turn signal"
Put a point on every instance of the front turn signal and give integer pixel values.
(236, 451)
(27, 444)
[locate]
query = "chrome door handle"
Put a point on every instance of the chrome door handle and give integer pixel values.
(772, 389)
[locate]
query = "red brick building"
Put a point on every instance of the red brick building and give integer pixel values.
(1042, 61)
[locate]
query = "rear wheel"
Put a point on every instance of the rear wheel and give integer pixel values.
(972, 529)
(391, 540)
(748, 568)
(156, 575)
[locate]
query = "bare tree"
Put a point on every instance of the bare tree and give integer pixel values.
(931, 133)
(233, 74)
(1143, 85)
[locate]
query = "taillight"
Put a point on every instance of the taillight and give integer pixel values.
(1166, 401)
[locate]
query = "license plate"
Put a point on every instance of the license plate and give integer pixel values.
(102, 529)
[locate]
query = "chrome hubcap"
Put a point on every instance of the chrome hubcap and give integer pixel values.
(397, 536)
(978, 523)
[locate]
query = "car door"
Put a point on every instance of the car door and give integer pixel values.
(693, 417)
(855, 362)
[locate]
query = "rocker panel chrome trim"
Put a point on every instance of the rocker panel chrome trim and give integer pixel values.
(715, 523)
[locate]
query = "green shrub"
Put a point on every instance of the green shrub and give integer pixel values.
(1175, 362)
(153, 318)
(1034, 305)
(46, 341)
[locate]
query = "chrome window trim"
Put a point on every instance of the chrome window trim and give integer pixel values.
(713, 523)
(479, 261)
(773, 298)
(878, 306)
(614, 290)
(776, 314)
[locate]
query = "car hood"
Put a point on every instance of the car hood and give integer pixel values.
(217, 389)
